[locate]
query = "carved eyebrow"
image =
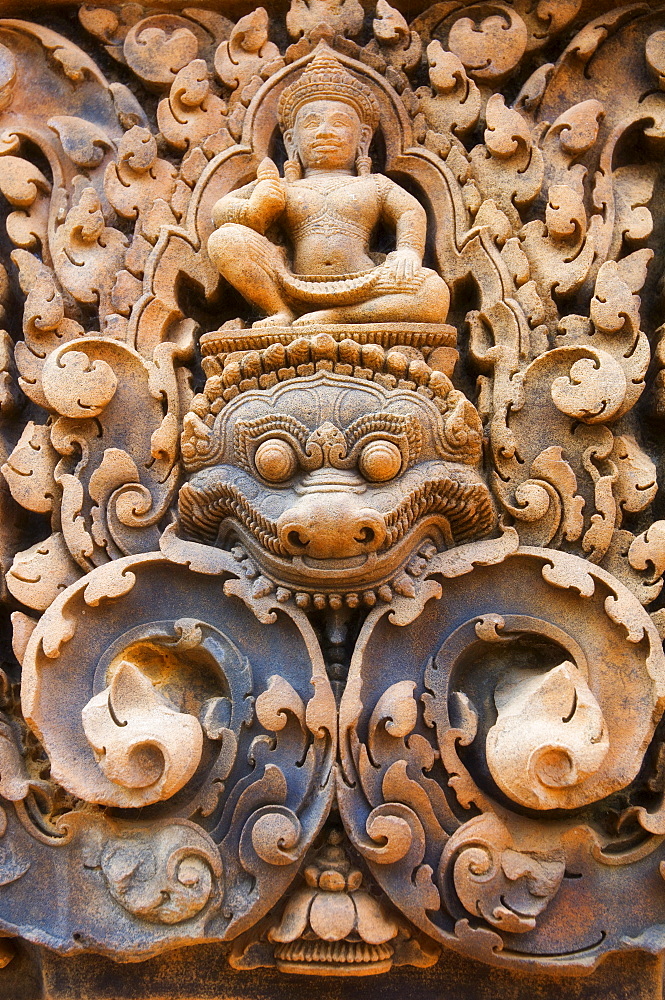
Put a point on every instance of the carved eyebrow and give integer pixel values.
(390, 425)
(250, 432)
(315, 116)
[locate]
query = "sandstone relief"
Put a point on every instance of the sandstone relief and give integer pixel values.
(331, 407)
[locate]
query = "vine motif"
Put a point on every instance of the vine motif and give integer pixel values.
(321, 350)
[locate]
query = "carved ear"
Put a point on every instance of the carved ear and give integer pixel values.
(365, 139)
(293, 165)
(290, 145)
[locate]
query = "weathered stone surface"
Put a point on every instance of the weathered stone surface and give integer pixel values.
(332, 380)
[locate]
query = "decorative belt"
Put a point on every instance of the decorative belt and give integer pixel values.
(348, 289)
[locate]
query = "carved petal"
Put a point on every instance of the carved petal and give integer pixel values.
(144, 743)
(374, 925)
(332, 916)
(549, 737)
(295, 916)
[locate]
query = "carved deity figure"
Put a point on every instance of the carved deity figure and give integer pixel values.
(327, 207)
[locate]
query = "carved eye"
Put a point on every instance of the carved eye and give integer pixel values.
(275, 460)
(380, 461)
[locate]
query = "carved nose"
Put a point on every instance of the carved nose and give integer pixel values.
(330, 526)
(325, 131)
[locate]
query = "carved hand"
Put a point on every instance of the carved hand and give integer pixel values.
(266, 202)
(403, 262)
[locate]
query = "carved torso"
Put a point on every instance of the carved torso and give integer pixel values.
(329, 220)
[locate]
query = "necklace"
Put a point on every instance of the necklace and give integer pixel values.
(327, 184)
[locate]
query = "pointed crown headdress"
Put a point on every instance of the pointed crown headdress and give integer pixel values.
(326, 79)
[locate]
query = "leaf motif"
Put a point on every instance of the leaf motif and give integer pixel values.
(493, 49)
(39, 574)
(279, 699)
(345, 16)
(146, 748)
(158, 47)
(109, 581)
(29, 470)
(83, 142)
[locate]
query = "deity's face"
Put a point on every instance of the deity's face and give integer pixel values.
(327, 135)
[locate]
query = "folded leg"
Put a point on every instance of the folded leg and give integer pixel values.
(429, 304)
(251, 263)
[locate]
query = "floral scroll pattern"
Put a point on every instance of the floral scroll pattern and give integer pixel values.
(330, 508)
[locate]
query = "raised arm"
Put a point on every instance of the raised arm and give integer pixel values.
(233, 207)
(256, 205)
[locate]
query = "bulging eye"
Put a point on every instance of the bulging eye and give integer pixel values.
(275, 460)
(380, 461)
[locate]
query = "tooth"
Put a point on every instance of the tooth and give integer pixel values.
(283, 595)
(404, 586)
(335, 601)
(385, 593)
(320, 601)
(352, 600)
(303, 600)
(262, 587)
(369, 598)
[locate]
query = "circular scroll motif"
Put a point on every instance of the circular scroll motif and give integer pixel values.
(155, 689)
(478, 743)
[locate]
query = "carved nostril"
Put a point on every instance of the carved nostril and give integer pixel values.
(365, 536)
(296, 540)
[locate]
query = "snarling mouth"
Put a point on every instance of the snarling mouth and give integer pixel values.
(465, 507)
(435, 515)
(377, 579)
(351, 562)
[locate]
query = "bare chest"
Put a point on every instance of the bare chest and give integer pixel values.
(353, 205)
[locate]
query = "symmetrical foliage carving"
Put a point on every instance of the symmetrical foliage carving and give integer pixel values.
(330, 402)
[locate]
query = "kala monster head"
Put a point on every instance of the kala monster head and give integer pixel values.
(333, 464)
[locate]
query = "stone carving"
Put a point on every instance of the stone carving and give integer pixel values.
(334, 501)
(330, 403)
(550, 735)
(328, 118)
(499, 875)
(333, 925)
(142, 741)
(162, 875)
(198, 705)
(333, 921)
(439, 766)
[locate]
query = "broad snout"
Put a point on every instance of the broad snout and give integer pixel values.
(331, 526)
